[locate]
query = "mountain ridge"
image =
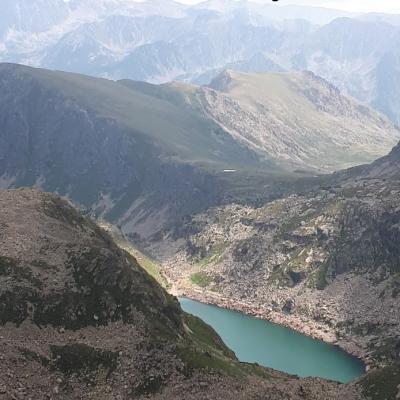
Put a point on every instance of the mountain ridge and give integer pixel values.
(281, 97)
(144, 155)
(159, 42)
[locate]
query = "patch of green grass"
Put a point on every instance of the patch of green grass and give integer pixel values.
(207, 351)
(318, 278)
(382, 384)
(148, 264)
(214, 255)
(201, 279)
(199, 359)
(204, 349)
(204, 334)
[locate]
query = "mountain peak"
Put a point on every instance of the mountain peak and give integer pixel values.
(223, 81)
(97, 283)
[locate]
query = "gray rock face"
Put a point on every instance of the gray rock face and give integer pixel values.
(283, 115)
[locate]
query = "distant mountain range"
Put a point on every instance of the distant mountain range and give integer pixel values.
(159, 41)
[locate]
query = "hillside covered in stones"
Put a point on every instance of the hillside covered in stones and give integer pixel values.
(298, 118)
(324, 262)
(80, 319)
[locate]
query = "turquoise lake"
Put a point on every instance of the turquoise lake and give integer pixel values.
(258, 341)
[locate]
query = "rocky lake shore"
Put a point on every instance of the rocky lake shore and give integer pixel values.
(300, 324)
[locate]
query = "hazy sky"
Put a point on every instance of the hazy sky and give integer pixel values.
(391, 6)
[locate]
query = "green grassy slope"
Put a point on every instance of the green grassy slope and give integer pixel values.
(138, 154)
(182, 134)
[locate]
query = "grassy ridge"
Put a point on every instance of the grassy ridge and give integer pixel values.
(147, 263)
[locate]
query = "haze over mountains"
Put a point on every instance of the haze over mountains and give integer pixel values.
(163, 41)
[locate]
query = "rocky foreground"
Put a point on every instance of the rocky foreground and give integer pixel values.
(80, 319)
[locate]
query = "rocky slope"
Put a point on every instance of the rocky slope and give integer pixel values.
(126, 154)
(80, 319)
(299, 118)
(298, 121)
(144, 156)
(384, 168)
(324, 262)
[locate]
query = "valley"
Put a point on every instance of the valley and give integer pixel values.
(324, 263)
(199, 200)
(81, 319)
(235, 194)
(144, 156)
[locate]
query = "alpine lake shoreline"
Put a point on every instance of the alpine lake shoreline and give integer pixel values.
(291, 322)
